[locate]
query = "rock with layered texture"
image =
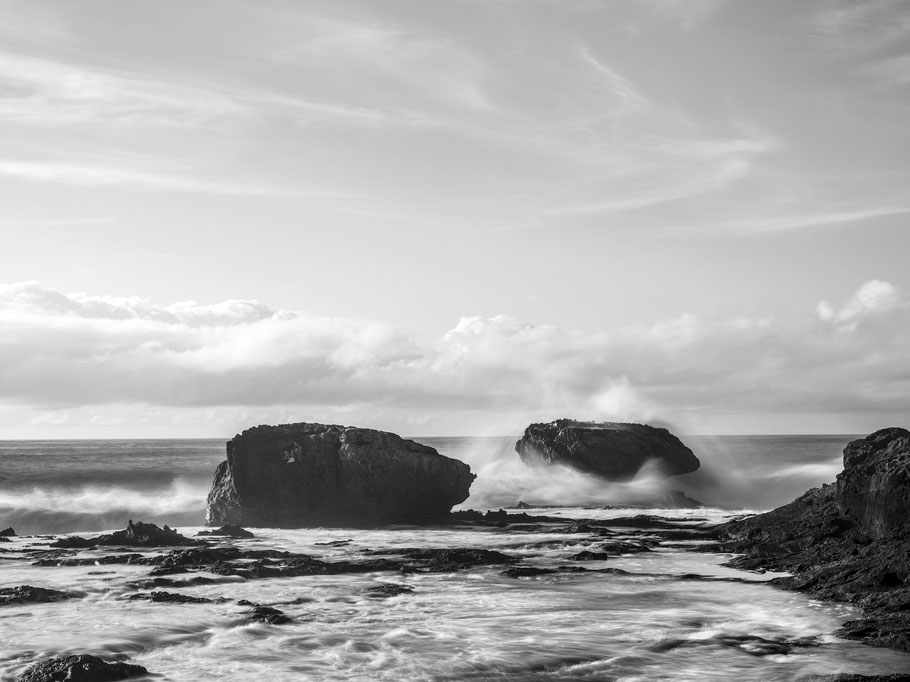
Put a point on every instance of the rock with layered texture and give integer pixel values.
(305, 475)
(610, 450)
(874, 488)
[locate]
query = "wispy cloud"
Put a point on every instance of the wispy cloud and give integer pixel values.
(42, 92)
(94, 175)
(800, 220)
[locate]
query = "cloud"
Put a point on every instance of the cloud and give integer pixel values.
(872, 298)
(43, 92)
(106, 175)
(63, 353)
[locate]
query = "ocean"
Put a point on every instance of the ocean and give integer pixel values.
(649, 621)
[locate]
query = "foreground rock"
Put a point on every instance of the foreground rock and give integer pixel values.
(26, 594)
(613, 451)
(846, 541)
(134, 535)
(304, 475)
(81, 668)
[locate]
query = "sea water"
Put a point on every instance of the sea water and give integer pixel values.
(654, 623)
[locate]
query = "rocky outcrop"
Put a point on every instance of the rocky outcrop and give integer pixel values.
(137, 534)
(846, 541)
(611, 450)
(304, 475)
(7, 533)
(80, 668)
(26, 594)
(874, 488)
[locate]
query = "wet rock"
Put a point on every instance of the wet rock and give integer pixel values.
(389, 590)
(80, 668)
(228, 530)
(844, 541)
(438, 560)
(304, 475)
(265, 614)
(610, 450)
(73, 542)
(334, 543)
(7, 533)
(527, 571)
(169, 598)
(847, 677)
(144, 535)
(588, 555)
(26, 594)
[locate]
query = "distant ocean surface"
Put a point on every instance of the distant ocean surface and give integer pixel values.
(63, 486)
(667, 614)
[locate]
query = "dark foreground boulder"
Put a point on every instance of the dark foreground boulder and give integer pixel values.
(26, 594)
(81, 668)
(305, 475)
(613, 451)
(847, 541)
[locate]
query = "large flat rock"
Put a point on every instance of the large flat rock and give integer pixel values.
(613, 451)
(305, 475)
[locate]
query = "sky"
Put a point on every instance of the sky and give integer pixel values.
(453, 217)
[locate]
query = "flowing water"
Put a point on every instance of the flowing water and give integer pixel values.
(654, 623)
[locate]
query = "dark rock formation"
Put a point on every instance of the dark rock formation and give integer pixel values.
(874, 488)
(612, 451)
(7, 533)
(26, 594)
(300, 475)
(265, 614)
(846, 541)
(134, 535)
(227, 531)
(169, 598)
(386, 590)
(81, 668)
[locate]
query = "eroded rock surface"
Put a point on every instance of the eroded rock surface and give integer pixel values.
(611, 450)
(80, 668)
(305, 475)
(847, 541)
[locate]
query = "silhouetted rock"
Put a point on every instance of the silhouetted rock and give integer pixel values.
(266, 614)
(80, 668)
(388, 590)
(613, 451)
(169, 598)
(848, 541)
(300, 475)
(26, 594)
(229, 531)
(73, 542)
(144, 535)
(7, 533)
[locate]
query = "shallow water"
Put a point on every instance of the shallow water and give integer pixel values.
(477, 624)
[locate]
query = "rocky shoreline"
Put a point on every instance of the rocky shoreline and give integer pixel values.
(847, 541)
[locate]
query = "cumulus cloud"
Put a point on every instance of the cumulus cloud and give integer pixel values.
(61, 354)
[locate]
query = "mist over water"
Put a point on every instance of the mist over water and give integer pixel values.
(68, 486)
(737, 472)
